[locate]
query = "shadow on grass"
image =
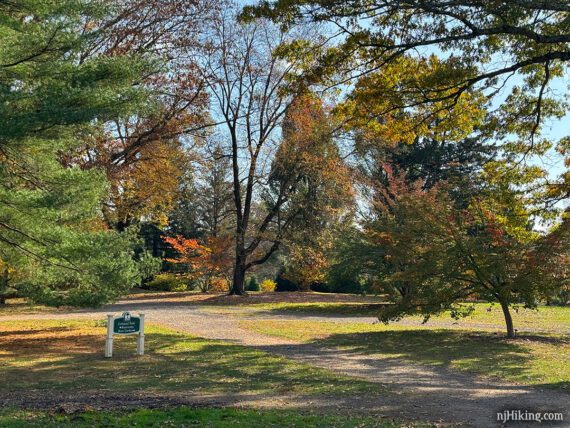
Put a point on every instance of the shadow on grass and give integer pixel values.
(485, 354)
(19, 333)
(327, 310)
(173, 364)
(182, 370)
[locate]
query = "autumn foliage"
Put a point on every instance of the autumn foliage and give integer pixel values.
(208, 263)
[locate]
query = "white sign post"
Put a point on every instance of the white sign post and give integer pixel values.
(125, 324)
(140, 337)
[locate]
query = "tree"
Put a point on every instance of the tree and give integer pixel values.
(144, 155)
(50, 228)
(245, 81)
(309, 164)
(530, 38)
(434, 256)
(307, 262)
(146, 188)
(423, 143)
(248, 84)
(513, 52)
(205, 261)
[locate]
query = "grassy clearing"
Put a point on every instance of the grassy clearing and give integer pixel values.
(324, 308)
(529, 359)
(222, 418)
(546, 318)
(68, 355)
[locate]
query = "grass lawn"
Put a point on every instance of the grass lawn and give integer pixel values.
(530, 359)
(184, 417)
(554, 319)
(68, 355)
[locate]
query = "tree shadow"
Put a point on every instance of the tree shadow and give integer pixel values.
(462, 351)
(31, 332)
(174, 365)
(317, 310)
(182, 370)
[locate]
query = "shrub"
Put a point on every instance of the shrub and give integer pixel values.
(167, 282)
(562, 297)
(252, 284)
(268, 285)
(284, 284)
(219, 285)
(320, 287)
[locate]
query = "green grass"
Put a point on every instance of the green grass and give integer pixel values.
(219, 418)
(529, 359)
(546, 318)
(325, 308)
(68, 355)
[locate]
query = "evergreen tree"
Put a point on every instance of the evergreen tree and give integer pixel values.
(51, 235)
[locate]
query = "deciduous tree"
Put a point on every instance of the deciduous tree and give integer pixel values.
(434, 256)
(248, 85)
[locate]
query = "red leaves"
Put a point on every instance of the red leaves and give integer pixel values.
(204, 259)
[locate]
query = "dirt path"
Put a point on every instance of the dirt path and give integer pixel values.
(416, 392)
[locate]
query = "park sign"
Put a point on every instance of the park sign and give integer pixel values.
(124, 324)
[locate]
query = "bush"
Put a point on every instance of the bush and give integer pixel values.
(219, 285)
(343, 278)
(252, 285)
(562, 297)
(268, 285)
(320, 287)
(284, 284)
(167, 282)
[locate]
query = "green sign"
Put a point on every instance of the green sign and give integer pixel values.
(126, 324)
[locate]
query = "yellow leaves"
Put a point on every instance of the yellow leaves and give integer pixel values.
(409, 99)
(268, 285)
(152, 183)
(308, 261)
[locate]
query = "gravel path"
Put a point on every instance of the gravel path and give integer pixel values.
(416, 392)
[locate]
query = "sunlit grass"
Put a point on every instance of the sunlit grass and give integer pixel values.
(184, 417)
(485, 315)
(68, 355)
(530, 359)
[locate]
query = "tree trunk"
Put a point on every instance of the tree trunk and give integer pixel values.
(4, 286)
(508, 319)
(238, 280)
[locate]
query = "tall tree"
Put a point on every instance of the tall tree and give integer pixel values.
(143, 155)
(308, 165)
(249, 86)
(50, 227)
(246, 82)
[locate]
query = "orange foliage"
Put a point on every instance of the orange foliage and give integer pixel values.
(208, 262)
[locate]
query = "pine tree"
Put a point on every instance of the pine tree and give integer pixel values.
(51, 234)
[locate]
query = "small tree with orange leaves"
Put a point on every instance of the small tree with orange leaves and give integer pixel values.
(205, 262)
